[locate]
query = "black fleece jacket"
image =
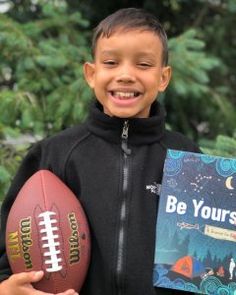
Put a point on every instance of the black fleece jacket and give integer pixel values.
(108, 163)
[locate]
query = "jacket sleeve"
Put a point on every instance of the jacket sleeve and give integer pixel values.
(29, 166)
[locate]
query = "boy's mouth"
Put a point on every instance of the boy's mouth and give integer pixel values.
(125, 94)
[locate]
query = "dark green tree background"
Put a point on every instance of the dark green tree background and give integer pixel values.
(43, 45)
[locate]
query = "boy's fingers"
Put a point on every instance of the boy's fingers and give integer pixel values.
(32, 277)
(69, 292)
(27, 277)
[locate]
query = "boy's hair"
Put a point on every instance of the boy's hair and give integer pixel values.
(131, 18)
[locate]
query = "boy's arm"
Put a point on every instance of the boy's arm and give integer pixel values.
(20, 284)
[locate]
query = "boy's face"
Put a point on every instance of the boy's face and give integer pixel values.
(127, 73)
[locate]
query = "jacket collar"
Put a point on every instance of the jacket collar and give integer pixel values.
(141, 131)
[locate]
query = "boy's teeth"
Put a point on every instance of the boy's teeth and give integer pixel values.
(124, 94)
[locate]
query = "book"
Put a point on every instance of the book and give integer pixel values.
(195, 246)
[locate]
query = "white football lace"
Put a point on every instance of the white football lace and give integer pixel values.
(50, 241)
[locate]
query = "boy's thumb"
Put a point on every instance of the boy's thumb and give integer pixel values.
(27, 277)
(36, 276)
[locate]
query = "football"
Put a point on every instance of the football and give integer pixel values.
(47, 230)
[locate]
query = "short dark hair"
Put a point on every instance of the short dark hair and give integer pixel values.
(131, 18)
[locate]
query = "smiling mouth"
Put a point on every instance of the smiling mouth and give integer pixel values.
(125, 95)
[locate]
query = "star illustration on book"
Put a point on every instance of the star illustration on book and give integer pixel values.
(201, 180)
(172, 183)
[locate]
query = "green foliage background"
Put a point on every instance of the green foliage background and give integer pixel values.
(43, 45)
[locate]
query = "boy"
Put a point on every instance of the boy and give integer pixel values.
(110, 160)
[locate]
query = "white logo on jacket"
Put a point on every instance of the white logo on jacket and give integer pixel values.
(154, 188)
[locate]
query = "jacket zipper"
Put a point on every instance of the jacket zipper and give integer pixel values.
(123, 209)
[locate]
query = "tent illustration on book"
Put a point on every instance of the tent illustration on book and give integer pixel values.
(196, 224)
(189, 266)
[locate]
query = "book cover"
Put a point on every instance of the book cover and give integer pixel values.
(196, 224)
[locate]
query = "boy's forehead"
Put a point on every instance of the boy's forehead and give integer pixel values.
(120, 30)
(111, 44)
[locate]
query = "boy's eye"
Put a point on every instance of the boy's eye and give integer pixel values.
(144, 65)
(109, 62)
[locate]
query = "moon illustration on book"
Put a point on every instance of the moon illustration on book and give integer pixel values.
(228, 183)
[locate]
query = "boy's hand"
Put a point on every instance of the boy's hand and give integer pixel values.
(20, 284)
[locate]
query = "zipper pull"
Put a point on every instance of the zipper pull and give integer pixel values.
(125, 130)
(124, 138)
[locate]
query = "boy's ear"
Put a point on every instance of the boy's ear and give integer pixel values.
(165, 78)
(89, 71)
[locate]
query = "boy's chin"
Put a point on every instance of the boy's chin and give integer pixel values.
(116, 112)
(121, 115)
(125, 114)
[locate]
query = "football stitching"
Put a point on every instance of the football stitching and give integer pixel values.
(43, 189)
(50, 241)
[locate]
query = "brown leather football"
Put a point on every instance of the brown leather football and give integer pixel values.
(47, 230)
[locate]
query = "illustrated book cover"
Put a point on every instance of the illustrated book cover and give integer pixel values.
(196, 224)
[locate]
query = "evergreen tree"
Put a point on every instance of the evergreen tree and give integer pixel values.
(42, 89)
(208, 259)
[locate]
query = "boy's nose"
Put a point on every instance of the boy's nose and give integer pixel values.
(126, 76)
